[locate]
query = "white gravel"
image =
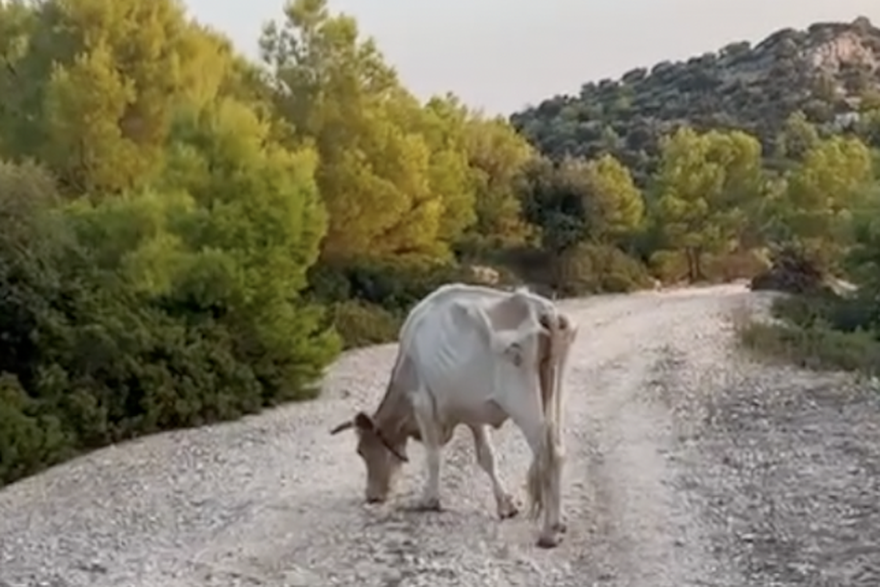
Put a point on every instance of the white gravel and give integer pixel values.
(275, 500)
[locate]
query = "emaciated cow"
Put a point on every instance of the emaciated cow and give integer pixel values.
(475, 356)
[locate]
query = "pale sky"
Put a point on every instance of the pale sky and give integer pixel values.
(503, 54)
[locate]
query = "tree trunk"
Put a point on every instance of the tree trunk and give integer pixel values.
(698, 265)
(692, 264)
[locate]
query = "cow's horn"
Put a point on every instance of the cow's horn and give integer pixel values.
(344, 426)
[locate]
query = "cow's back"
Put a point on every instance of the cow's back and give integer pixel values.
(442, 339)
(450, 348)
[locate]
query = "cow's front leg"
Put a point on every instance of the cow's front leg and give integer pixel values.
(504, 503)
(429, 429)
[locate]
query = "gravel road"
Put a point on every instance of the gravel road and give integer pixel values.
(687, 465)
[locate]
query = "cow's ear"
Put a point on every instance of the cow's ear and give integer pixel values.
(363, 422)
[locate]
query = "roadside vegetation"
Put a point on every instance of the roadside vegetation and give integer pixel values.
(823, 327)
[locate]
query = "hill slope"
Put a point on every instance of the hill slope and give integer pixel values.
(828, 71)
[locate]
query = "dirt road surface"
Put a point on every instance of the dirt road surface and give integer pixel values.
(687, 465)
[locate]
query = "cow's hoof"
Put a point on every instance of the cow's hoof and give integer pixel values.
(507, 508)
(551, 540)
(560, 527)
(428, 504)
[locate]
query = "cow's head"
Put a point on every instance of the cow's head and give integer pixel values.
(381, 457)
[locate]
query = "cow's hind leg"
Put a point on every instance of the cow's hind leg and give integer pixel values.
(504, 503)
(429, 429)
(544, 476)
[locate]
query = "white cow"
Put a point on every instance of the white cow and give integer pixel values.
(475, 356)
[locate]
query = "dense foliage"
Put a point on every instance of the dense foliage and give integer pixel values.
(186, 236)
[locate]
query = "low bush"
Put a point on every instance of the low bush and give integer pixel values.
(819, 331)
(30, 439)
(826, 309)
(669, 266)
(394, 286)
(815, 347)
(361, 324)
(791, 271)
(588, 268)
(733, 266)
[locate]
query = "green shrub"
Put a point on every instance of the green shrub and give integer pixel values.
(362, 324)
(150, 311)
(669, 266)
(394, 286)
(588, 268)
(29, 440)
(527, 264)
(732, 266)
(815, 347)
(803, 311)
(846, 314)
(820, 331)
(672, 267)
(855, 313)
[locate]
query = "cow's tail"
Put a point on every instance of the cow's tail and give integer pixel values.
(545, 471)
(562, 337)
(544, 477)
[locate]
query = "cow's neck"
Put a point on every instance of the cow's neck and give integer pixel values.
(392, 418)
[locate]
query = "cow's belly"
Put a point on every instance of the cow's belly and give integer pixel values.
(464, 392)
(487, 412)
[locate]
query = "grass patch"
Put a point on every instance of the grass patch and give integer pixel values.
(814, 347)
(803, 336)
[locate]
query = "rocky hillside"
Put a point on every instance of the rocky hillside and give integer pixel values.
(830, 72)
